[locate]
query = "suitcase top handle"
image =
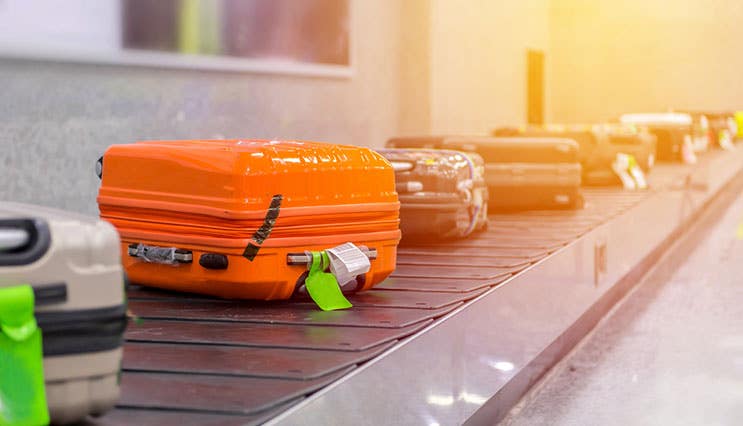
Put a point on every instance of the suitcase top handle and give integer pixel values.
(13, 239)
(660, 118)
(23, 241)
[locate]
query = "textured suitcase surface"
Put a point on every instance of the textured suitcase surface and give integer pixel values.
(222, 217)
(430, 142)
(519, 150)
(499, 149)
(672, 131)
(598, 146)
(442, 192)
(73, 264)
(525, 173)
(520, 172)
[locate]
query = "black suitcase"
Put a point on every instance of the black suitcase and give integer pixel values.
(520, 172)
(442, 193)
(673, 132)
(598, 146)
(713, 130)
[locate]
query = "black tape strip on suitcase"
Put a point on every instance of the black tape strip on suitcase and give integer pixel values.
(262, 233)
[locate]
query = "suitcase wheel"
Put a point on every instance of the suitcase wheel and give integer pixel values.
(214, 261)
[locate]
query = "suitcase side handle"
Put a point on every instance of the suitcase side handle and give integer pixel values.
(50, 294)
(23, 241)
(162, 255)
(294, 259)
(99, 168)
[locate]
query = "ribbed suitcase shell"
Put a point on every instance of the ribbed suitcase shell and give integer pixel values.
(217, 197)
(520, 172)
(519, 150)
(499, 149)
(442, 192)
(598, 146)
(672, 130)
(73, 264)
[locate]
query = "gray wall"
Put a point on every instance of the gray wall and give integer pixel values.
(57, 119)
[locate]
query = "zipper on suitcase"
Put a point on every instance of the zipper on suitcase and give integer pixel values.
(77, 331)
(82, 331)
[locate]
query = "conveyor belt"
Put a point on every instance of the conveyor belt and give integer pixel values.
(671, 352)
(232, 362)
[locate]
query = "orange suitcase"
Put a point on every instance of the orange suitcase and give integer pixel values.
(234, 218)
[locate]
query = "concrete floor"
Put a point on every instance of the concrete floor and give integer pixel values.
(670, 354)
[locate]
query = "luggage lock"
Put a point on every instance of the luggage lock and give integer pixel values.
(162, 255)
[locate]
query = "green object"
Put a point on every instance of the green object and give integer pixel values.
(22, 393)
(188, 27)
(632, 162)
(739, 122)
(323, 286)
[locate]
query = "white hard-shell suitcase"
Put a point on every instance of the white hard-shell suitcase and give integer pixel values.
(73, 264)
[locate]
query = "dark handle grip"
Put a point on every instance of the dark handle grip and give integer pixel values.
(27, 240)
(99, 168)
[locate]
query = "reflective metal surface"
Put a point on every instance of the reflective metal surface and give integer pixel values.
(138, 416)
(672, 353)
(474, 364)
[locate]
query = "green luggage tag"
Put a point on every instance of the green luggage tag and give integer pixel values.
(323, 287)
(22, 392)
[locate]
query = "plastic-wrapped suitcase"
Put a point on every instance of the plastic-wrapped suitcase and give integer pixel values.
(520, 172)
(673, 132)
(702, 135)
(234, 218)
(442, 193)
(719, 128)
(599, 145)
(73, 264)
